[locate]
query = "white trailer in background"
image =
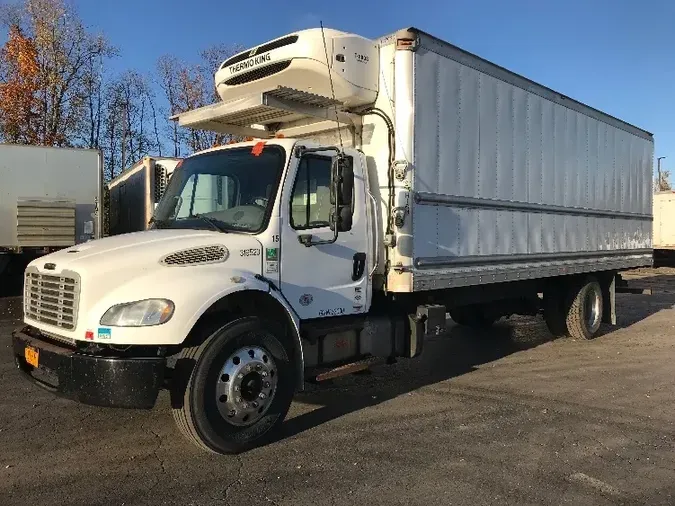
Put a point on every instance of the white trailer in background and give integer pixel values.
(664, 228)
(391, 181)
(135, 192)
(49, 199)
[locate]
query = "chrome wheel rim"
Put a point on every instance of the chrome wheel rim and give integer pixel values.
(246, 386)
(592, 304)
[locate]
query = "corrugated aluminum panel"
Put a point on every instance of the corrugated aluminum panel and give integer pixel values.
(584, 179)
(45, 223)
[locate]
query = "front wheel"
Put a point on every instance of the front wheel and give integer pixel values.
(236, 387)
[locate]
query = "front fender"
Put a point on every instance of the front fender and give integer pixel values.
(192, 290)
(258, 284)
(250, 283)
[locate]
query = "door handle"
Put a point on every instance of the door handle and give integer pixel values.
(359, 266)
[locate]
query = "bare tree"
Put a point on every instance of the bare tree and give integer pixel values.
(166, 70)
(66, 55)
(663, 184)
(188, 87)
(54, 89)
(129, 122)
(93, 84)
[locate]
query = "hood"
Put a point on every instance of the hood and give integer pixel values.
(175, 264)
(145, 251)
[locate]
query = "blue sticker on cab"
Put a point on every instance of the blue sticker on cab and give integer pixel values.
(104, 333)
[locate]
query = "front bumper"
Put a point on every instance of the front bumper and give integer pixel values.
(122, 382)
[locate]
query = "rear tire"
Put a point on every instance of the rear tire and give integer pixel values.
(555, 314)
(230, 413)
(584, 314)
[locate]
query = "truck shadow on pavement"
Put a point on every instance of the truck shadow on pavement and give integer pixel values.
(460, 351)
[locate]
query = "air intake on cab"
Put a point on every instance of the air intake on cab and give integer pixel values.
(195, 256)
(299, 62)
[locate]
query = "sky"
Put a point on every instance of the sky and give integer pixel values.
(617, 56)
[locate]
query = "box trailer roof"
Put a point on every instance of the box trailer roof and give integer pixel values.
(448, 50)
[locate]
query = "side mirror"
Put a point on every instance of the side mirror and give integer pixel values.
(342, 194)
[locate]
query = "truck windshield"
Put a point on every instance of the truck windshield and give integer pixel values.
(230, 190)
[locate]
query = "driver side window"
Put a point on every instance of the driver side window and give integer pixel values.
(310, 201)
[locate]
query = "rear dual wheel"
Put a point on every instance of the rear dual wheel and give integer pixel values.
(234, 389)
(574, 309)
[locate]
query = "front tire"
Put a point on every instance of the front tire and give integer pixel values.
(234, 389)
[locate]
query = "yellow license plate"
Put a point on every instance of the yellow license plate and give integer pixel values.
(32, 356)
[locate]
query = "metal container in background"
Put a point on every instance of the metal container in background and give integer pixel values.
(49, 197)
(135, 193)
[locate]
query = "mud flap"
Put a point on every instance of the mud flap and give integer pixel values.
(415, 341)
(608, 285)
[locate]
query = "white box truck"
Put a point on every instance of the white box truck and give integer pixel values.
(135, 193)
(391, 182)
(49, 199)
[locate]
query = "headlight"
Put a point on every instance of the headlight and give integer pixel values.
(139, 314)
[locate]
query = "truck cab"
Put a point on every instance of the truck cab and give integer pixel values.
(257, 271)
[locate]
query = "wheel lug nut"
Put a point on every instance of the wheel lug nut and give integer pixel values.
(240, 376)
(262, 395)
(236, 388)
(264, 374)
(254, 404)
(238, 399)
(248, 368)
(258, 367)
(245, 405)
(232, 412)
(267, 384)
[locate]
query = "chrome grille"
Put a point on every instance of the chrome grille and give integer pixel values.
(52, 299)
(192, 256)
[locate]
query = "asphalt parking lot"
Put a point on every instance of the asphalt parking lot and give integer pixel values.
(508, 416)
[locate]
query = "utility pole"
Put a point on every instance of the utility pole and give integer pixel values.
(658, 171)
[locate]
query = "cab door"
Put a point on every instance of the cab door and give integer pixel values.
(328, 279)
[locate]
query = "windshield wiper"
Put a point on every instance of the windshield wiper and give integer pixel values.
(215, 224)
